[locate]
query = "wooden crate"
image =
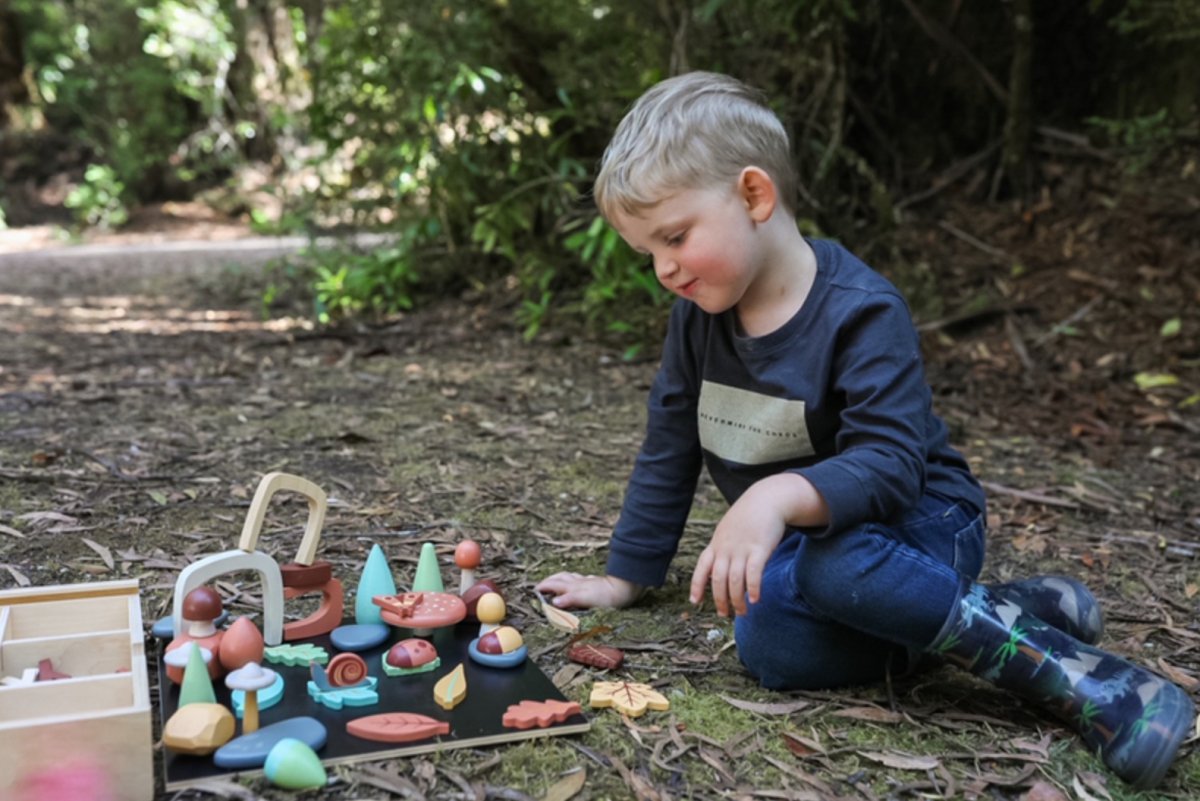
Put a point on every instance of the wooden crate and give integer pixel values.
(89, 735)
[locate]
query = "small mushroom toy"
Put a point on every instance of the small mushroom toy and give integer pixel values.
(201, 608)
(176, 659)
(250, 679)
(466, 557)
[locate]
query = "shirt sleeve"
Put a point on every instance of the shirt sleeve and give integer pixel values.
(663, 483)
(879, 465)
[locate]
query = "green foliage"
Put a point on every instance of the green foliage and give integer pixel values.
(470, 129)
(140, 84)
(349, 281)
(97, 202)
(1143, 138)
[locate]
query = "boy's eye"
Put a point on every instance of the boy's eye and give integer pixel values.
(676, 239)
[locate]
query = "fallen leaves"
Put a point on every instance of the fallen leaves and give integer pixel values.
(901, 761)
(104, 552)
(567, 787)
(776, 708)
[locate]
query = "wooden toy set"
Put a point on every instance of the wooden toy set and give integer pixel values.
(75, 703)
(405, 672)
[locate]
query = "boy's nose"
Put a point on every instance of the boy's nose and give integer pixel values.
(665, 267)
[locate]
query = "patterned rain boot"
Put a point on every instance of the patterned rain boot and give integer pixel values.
(1060, 601)
(1134, 718)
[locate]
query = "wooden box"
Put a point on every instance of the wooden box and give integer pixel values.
(84, 736)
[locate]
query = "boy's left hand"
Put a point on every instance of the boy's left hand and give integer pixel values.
(748, 533)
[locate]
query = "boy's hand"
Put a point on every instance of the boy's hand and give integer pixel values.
(748, 533)
(576, 591)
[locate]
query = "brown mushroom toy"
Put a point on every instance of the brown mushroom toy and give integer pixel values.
(250, 679)
(201, 608)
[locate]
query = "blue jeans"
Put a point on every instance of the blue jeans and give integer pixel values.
(834, 611)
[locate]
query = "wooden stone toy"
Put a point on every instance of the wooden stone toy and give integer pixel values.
(199, 729)
(496, 645)
(251, 750)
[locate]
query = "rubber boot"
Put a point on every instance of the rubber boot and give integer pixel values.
(1060, 601)
(1134, 718)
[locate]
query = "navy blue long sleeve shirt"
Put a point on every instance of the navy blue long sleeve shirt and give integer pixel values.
(837, 394)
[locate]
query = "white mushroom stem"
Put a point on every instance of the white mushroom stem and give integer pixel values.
(467, 580)
(199, 629)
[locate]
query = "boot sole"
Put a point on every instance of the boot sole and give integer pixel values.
(1146, 766)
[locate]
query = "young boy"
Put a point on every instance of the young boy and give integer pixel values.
(792, 371)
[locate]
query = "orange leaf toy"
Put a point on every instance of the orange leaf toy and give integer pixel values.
(397, 727)
(540, 714)
(627, 697)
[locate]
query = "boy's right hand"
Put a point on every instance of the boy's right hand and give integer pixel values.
(577, 591)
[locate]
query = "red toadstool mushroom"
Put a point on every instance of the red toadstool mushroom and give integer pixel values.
(467, 556)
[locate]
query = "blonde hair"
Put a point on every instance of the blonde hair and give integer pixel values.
(693, 131)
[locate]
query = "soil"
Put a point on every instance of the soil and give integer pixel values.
(139, 408)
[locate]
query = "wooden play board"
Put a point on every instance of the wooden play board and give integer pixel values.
(474, 722)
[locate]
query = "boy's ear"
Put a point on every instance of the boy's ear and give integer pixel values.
(757, 191)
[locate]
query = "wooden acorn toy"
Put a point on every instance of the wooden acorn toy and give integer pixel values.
(496, 645)
(467, 557)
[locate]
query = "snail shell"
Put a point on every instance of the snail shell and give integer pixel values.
(346, 670)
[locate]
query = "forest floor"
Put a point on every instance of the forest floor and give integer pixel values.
(140, 405)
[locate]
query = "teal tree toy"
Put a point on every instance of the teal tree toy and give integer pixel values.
(376, 579)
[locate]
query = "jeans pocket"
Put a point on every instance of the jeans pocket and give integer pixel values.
(969, 546)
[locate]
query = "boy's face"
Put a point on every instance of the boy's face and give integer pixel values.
(702, 244)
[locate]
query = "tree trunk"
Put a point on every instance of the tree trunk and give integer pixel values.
(13, 90)
(1019, 125)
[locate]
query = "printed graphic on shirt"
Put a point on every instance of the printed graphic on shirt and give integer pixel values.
(751, 428)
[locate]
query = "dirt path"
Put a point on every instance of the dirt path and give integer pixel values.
(142, 396)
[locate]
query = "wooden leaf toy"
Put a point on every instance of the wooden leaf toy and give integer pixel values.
(599, 656)
(451, 689)
(397, 727)
(559, 618)
(296, 655)
(528, 714)
(627, 697)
